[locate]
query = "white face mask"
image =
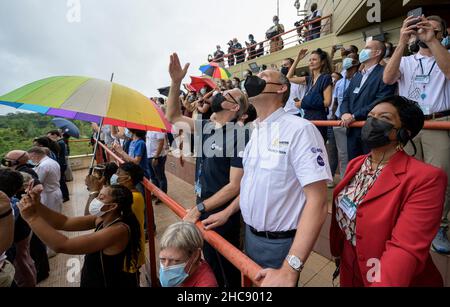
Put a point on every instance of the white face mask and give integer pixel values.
(95, 208)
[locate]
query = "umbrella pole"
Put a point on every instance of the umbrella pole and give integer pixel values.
(96, 148)
(97, 139)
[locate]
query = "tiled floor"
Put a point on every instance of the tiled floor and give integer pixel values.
(317, 272)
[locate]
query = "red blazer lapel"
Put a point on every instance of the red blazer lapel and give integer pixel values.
(352, 169)
(388, 180)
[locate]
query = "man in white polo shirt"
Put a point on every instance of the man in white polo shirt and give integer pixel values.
(298, 91)
(283, 196)
(425, 78)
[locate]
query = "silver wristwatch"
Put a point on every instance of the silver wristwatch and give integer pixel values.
(295, 262)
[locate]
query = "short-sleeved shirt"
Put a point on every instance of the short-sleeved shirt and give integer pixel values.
(339, 91)
(297, 91)
(314, 99)
(203, 277)
(285, 154)
(138, 149)
(152, 142)
(431, 97)
(218, 150)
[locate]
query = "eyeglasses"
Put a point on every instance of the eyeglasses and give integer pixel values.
(232, 98)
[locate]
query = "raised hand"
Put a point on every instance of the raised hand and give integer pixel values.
(302, 54)
(27, 208)
(425, 31)
(176, 72)
(409, 28)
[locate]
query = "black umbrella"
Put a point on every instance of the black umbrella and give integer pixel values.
(165, 91)
(67, 127)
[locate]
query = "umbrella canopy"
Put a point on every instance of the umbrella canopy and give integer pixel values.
(91, 100)
(166, 90)
(215, 71)
(199, 82)
(67, 127)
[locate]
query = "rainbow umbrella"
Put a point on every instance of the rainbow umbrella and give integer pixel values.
(91, 100)
(215, 71)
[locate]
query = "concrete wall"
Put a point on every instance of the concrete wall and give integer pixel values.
(80, 162)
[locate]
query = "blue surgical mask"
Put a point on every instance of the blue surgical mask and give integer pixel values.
(347, 63)
(114, 179)
(128, 134)
(31, 163)
(445, 41)
(365, 55)
(172, 276)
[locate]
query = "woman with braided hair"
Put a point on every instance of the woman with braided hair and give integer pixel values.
(111, 251)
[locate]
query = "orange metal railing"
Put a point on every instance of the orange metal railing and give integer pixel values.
(249, 269)
(429, 125)
(302, 35)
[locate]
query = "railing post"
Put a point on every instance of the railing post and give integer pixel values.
(151, 237)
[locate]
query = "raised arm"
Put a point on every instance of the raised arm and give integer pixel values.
(291, 74)
(86, 244)
(55, 220)
(177, 75)
(392, 69)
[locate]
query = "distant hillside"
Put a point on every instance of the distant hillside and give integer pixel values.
(18, 130)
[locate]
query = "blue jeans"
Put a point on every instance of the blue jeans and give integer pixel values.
(158, 173)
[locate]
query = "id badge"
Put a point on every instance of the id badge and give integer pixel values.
(422, 79)
(348, 207)
(357, 90)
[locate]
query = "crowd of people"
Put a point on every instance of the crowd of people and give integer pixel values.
(308, 29)
(264, 168)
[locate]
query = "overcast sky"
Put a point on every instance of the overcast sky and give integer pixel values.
(132, 38)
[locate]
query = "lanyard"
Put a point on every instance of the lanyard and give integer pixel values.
(431, 70)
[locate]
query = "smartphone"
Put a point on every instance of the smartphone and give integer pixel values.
(418, 12)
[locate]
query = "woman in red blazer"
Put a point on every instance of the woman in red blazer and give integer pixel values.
(387, 209)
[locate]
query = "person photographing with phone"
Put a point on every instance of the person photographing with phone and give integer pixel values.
(425, 78)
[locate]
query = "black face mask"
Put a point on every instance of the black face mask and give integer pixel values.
(255, 86)
(414, 47)
(216, 105)
(423, 45)
(285, 70)
(375, 133)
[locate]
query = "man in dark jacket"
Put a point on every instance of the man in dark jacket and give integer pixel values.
(365, 88)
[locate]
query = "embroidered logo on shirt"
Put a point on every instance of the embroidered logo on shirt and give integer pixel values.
(320, 161)
(316, 150)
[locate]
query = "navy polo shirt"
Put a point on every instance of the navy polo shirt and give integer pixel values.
(218, 149)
